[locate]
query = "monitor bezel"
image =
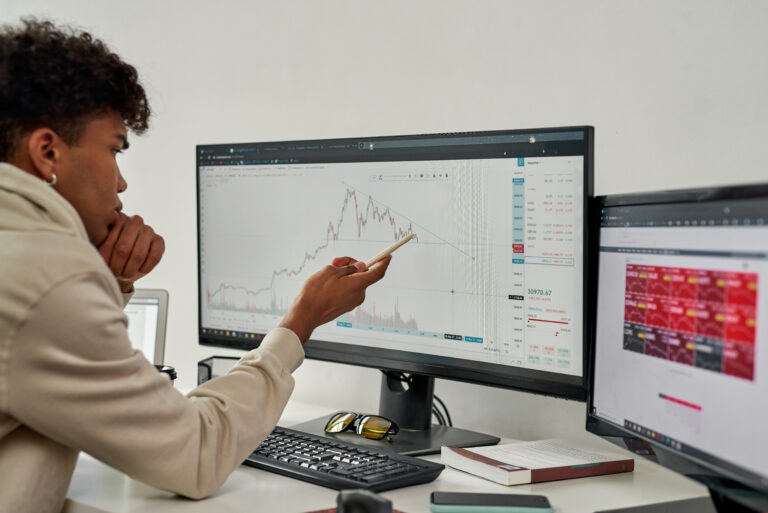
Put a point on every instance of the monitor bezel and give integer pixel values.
(521, 379)
(707, 469)
(161, 296)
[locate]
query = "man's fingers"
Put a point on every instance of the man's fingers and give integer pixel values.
(139, 253)
(131, 249)
(340, 261)
(106, 247)
(349, 262)
(375, 273)
(124, 245)
(156, 250)
(343, 261)
(346, 266)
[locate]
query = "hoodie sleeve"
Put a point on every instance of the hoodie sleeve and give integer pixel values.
(76, 379)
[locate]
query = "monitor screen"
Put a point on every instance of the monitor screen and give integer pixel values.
(681, 347)
(146, 312)
(490, 289)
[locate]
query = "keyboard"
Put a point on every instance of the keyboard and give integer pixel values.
(339, 465)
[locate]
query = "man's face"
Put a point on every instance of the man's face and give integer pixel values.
(89, 177)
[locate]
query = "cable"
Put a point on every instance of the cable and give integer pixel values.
(438, 415)
(445, 409)
(400, 376)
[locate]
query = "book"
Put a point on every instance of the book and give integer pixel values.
(534, 462)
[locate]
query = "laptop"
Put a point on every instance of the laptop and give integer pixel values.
(147, 313)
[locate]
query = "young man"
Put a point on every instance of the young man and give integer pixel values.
(69, 379)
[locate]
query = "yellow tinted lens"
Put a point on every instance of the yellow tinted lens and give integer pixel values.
(375, 428)
(339, 422)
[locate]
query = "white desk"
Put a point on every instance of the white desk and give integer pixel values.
(97, 488)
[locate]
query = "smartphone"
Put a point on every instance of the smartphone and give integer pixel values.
(460, 502)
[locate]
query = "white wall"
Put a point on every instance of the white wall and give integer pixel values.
(675, 89)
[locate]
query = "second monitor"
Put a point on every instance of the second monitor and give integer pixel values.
(490, 291)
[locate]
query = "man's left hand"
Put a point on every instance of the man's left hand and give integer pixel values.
(132, 249)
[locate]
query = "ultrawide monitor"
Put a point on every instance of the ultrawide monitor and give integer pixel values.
(490, 290)
(680, 369)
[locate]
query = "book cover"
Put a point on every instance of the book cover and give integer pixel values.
(534, 462)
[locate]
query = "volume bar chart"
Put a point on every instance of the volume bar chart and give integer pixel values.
(376, 320)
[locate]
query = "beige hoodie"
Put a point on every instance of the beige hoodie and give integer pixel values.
(70, 381)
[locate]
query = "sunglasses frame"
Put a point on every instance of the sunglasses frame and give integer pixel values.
(356, 424)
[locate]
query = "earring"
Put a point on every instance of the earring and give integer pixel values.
(53, 180)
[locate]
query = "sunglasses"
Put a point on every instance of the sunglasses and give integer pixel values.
(369, 426)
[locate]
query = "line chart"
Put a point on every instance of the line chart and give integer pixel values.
(362, 217)
(372, 211)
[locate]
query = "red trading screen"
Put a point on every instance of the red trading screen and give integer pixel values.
(698, 317)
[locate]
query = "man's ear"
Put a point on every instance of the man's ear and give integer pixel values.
(45, 152)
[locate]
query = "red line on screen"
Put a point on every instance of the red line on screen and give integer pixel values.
(545, 320)
(681, 402)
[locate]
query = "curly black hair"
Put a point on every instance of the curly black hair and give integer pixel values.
(62, 78)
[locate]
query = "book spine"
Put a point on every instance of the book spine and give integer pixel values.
(575, 471)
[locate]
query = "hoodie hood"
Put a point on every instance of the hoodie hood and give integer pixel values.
(30, 205)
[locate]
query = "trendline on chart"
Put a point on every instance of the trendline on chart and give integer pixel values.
(216, 299)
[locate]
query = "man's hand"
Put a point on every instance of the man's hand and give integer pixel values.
(330, 292)
(132, 249)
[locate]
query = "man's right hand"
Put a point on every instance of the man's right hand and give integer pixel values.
(131, 250)
(330, 292)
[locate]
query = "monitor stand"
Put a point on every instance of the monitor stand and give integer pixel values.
(407, 399)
